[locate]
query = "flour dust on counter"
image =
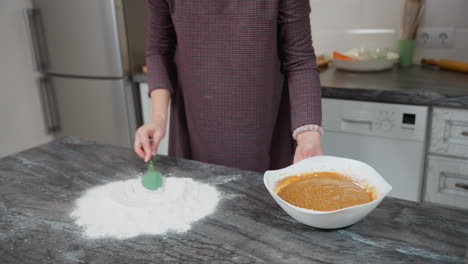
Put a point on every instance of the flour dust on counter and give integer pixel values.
(125, 209)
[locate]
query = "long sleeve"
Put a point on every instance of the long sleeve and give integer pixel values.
(160, 47)
(298, 62)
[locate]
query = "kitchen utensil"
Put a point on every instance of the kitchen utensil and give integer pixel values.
(415, 25)
(358, 171)
(152, 179)
(448, 64)
(412, 14)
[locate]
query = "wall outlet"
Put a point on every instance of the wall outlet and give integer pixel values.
(436, 37)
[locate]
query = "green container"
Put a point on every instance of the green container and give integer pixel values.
(406, 51)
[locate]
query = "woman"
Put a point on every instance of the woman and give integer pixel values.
(242, 81)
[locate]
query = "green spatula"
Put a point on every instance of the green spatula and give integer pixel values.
(152, 179)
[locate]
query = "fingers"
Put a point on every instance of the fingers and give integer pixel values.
(303, 152)
(298, 156)
(147, 139)
(142, 144)
(157, 137)
(307, 151)
(146, 147)
(137, 147)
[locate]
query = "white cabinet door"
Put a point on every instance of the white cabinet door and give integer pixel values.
(447, 181)
(146, 110)
(449, 134)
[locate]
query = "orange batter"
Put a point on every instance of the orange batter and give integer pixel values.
(322, 191)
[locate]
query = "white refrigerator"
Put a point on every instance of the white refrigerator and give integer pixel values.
(81, 49)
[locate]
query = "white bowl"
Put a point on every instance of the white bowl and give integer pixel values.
(364, 65)
(358, 171)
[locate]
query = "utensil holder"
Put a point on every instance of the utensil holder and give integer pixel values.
(406, 51)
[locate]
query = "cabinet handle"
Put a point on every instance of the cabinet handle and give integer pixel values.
(465, 133)
(50, 105)
(461, 185)
(37, 37)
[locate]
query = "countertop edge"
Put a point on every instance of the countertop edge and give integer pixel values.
(422, 97)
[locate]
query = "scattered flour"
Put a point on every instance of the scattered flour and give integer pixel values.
(126, 209)
(225, 179)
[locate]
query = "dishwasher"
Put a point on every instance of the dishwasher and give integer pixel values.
(389, 137)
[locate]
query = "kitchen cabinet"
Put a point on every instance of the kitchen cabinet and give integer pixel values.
(449, 134)
(446, 180)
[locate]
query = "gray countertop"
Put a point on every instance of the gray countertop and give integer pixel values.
(39, 186)
(417, 85)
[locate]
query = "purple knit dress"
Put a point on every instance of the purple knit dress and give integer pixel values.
(242, 75)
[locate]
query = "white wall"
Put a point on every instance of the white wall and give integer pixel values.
(21, 119)
(331, 19)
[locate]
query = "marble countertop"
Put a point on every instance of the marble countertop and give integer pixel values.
(39, 186)
(417, 85)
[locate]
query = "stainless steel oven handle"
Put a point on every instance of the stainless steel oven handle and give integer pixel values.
(49, 103)
(37, 37)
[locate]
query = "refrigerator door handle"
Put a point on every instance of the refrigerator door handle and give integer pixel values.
(37, 37)
(49, 103)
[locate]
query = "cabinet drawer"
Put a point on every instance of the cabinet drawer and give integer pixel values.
(447, 181)
(449, 134)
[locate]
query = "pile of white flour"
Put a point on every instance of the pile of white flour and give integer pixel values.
(126, 209)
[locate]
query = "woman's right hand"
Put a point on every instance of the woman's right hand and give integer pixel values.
(148, 137)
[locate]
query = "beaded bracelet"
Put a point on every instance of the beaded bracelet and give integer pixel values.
(303, 128)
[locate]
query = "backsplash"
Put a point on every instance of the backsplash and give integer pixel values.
(332, 21)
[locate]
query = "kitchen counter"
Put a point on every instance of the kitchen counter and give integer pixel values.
(39, 186)
(417, 85)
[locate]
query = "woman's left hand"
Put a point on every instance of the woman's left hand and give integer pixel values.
(308, 145)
